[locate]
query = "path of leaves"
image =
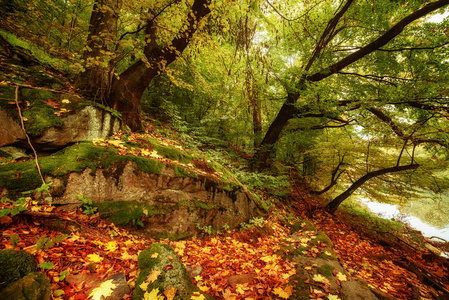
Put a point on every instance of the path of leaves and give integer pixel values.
(378, 265)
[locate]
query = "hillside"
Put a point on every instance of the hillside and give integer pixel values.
(87, 206)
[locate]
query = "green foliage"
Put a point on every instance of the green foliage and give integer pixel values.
(87, 205)
(255, 222)
(46, 265)
(123, 213)
(46, 243)
(19, 206)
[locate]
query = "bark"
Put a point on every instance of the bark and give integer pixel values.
(95, 80)
(128, 89)
(333, 205)
(288, 111)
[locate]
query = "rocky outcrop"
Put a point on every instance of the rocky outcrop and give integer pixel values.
(53, 120)
(173, 205)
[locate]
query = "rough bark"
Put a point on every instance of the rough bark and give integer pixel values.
(128, 89)
(333, 205)
(95, 80)
(288, 110)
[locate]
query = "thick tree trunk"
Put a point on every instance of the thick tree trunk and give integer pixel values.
(96, 79)
(127, 91)
(333, 205)
(288, 110)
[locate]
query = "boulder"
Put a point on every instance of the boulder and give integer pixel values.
(162, 271)
(53, 120)
(34, 286)
(14, 265)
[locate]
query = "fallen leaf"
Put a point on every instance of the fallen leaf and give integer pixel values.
(196, 296)
(94, 258)
(320, 278)
(153, 295)
(341, 277)
(104, 290)
(284, 293)
(170, 294)
(153, 276)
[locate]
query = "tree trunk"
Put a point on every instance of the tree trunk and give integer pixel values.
(96, 79)
(333, 205)
(128, 89)
(288, 109)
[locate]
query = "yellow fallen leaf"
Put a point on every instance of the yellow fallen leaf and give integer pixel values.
(111, 246)
(94, 258)
(153, 276)
(333, 297)
(103, 291)
(153, 295)
(284, 293)
(144, 286)
(341, 277)
(197, 296)
(320, 278)
(198, 278)
(155, 255)
(170, 294)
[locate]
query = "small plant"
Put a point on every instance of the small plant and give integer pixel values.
(255, 222)
(204, 229)
(17, 206)
(87, 205)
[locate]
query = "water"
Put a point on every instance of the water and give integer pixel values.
(390, 211)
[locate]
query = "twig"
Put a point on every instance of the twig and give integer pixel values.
(16, 99)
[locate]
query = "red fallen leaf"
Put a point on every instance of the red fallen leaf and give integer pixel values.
(168, 267)
(307, 280)
(81, 296)
(17, 175)
(53, 103)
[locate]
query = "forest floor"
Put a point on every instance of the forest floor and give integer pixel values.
(102, 249)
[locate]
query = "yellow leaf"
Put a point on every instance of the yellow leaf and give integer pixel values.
(320, 278)
(111, 246)
(333, 297)
(153, 295)
(94, 258)
(203, 288)
(198, 278)
(144, 286)
(126, 255)
(197, 296)
(170, 294)
(155, 255)
(284, 293)
(104, 290)
(65, 101)
(153, 276)
(341, 277)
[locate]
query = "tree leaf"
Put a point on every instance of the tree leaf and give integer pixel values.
(105, 289)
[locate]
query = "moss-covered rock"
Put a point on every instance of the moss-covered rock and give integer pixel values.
(305, 225)
(72, 159)
(161, 259)
(34, 286)
(14, 265)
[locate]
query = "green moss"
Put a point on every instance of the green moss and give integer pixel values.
(7, 94)
(15, 264)
(40, 117)
(113, 112)
(323, 238)
(23, 176)
(4, 154)
(299, 250)
(35, 285)
(305, 225)
(326, 271)
(183, 172)
(158, 257)
(260, 202)
(206, 206)
(123, 212)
